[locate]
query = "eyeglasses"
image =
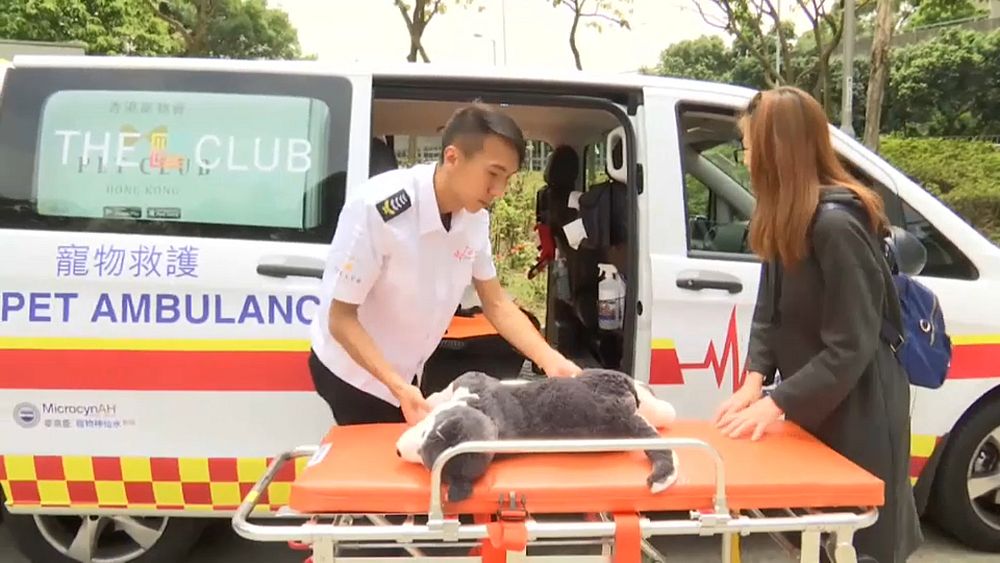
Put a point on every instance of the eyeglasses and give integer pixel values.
(754, 102)
(739, 151)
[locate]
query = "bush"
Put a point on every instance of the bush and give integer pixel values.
(965, 175)
(515, 245)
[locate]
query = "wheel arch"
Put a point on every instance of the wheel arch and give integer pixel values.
(928, 476)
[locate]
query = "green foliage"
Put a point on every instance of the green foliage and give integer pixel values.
(923, 13)
(245, 29)
(965, 175)
(107, 27)
(946, 86)
(231, 29)
(512, 228)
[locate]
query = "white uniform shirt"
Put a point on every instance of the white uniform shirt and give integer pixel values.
(391, 254)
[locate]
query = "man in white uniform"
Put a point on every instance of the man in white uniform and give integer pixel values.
(406, 246)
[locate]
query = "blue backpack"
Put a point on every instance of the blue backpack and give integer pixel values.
(923, 346)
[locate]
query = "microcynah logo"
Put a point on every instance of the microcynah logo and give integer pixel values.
(80, 410)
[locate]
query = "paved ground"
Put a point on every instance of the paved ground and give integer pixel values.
(220, 545)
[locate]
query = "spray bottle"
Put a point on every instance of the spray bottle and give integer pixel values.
(610, 298)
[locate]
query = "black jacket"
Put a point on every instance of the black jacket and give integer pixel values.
(817, 325)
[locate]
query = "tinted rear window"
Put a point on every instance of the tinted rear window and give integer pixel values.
(199, 153)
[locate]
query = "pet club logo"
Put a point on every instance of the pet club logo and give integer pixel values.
(345, 271)
(465, 254)
(159, 158)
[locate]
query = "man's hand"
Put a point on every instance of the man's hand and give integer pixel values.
(412, 403)
(755, 418)
(515, 327)
(559, 366)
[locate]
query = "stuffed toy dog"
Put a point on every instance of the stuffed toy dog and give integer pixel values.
(597, 403)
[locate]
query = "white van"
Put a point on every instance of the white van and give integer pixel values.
(164, 222)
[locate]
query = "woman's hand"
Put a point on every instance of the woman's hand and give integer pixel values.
(757, 417)
(751, 390)
(412, 403)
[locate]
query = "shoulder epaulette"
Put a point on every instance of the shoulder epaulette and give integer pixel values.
(393, 205)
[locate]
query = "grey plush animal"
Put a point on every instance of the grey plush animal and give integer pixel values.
(597, 403)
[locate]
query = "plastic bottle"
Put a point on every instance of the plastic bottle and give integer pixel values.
(610, 298)
(562, 278)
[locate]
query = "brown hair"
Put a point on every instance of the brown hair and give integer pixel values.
(791, 156)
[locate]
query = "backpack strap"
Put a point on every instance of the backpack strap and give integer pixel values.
(889, 332)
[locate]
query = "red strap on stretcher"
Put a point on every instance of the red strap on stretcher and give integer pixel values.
(506, 533)
(628, 538)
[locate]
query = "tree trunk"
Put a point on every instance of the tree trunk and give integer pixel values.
(879, 73)
(572, 40)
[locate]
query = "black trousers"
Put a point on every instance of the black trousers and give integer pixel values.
(349, 404)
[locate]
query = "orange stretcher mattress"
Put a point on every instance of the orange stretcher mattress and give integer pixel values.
(469, 327)
(788, 468)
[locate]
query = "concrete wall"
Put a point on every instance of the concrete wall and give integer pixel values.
(863, 46)
(9, 48)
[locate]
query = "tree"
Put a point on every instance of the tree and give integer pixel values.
(945, 86)
(923, 13)
(704, 58)
(595, 11)
(879, 73)
(107, 27)
(418, 15)
(757, 27)
(238, 29)
(709, 58)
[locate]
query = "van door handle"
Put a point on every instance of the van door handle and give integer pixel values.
(697, 281)
(290, 266)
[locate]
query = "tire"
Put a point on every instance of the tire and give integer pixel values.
(973, 451)
(168, 540)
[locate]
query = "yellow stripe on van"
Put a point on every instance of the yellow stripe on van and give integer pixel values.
(973, 339)
(663, 344)
(922, 445)
(154, 344)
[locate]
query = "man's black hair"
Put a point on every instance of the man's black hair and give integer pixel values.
(469, 126)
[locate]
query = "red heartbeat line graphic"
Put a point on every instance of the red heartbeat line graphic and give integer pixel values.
(730, 352)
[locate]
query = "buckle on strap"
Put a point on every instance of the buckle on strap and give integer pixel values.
(895, 346)
(509, 532)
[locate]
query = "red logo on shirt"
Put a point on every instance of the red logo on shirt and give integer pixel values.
(465, 254)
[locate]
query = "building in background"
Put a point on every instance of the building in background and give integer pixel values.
(9, 48)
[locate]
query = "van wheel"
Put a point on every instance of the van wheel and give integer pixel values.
(966, 497)
(103, 539)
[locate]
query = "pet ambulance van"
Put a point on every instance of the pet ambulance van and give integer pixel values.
(164, 224)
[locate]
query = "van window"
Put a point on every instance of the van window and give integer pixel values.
(717, 196)
(944, 259)
(719, 201)
(183, 153)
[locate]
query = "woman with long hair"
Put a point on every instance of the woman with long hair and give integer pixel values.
(825, 288)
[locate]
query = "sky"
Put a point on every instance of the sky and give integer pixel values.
(537, 34)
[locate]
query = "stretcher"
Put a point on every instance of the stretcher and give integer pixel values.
(589, 495)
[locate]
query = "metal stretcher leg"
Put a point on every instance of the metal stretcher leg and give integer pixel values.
(810, 547)
(844, 551)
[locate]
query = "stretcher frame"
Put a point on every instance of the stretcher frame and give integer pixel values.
(441, 530)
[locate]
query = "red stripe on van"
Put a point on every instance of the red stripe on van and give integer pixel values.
(154, 370)
(665, 367)
(158, 370)
(975, 361)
